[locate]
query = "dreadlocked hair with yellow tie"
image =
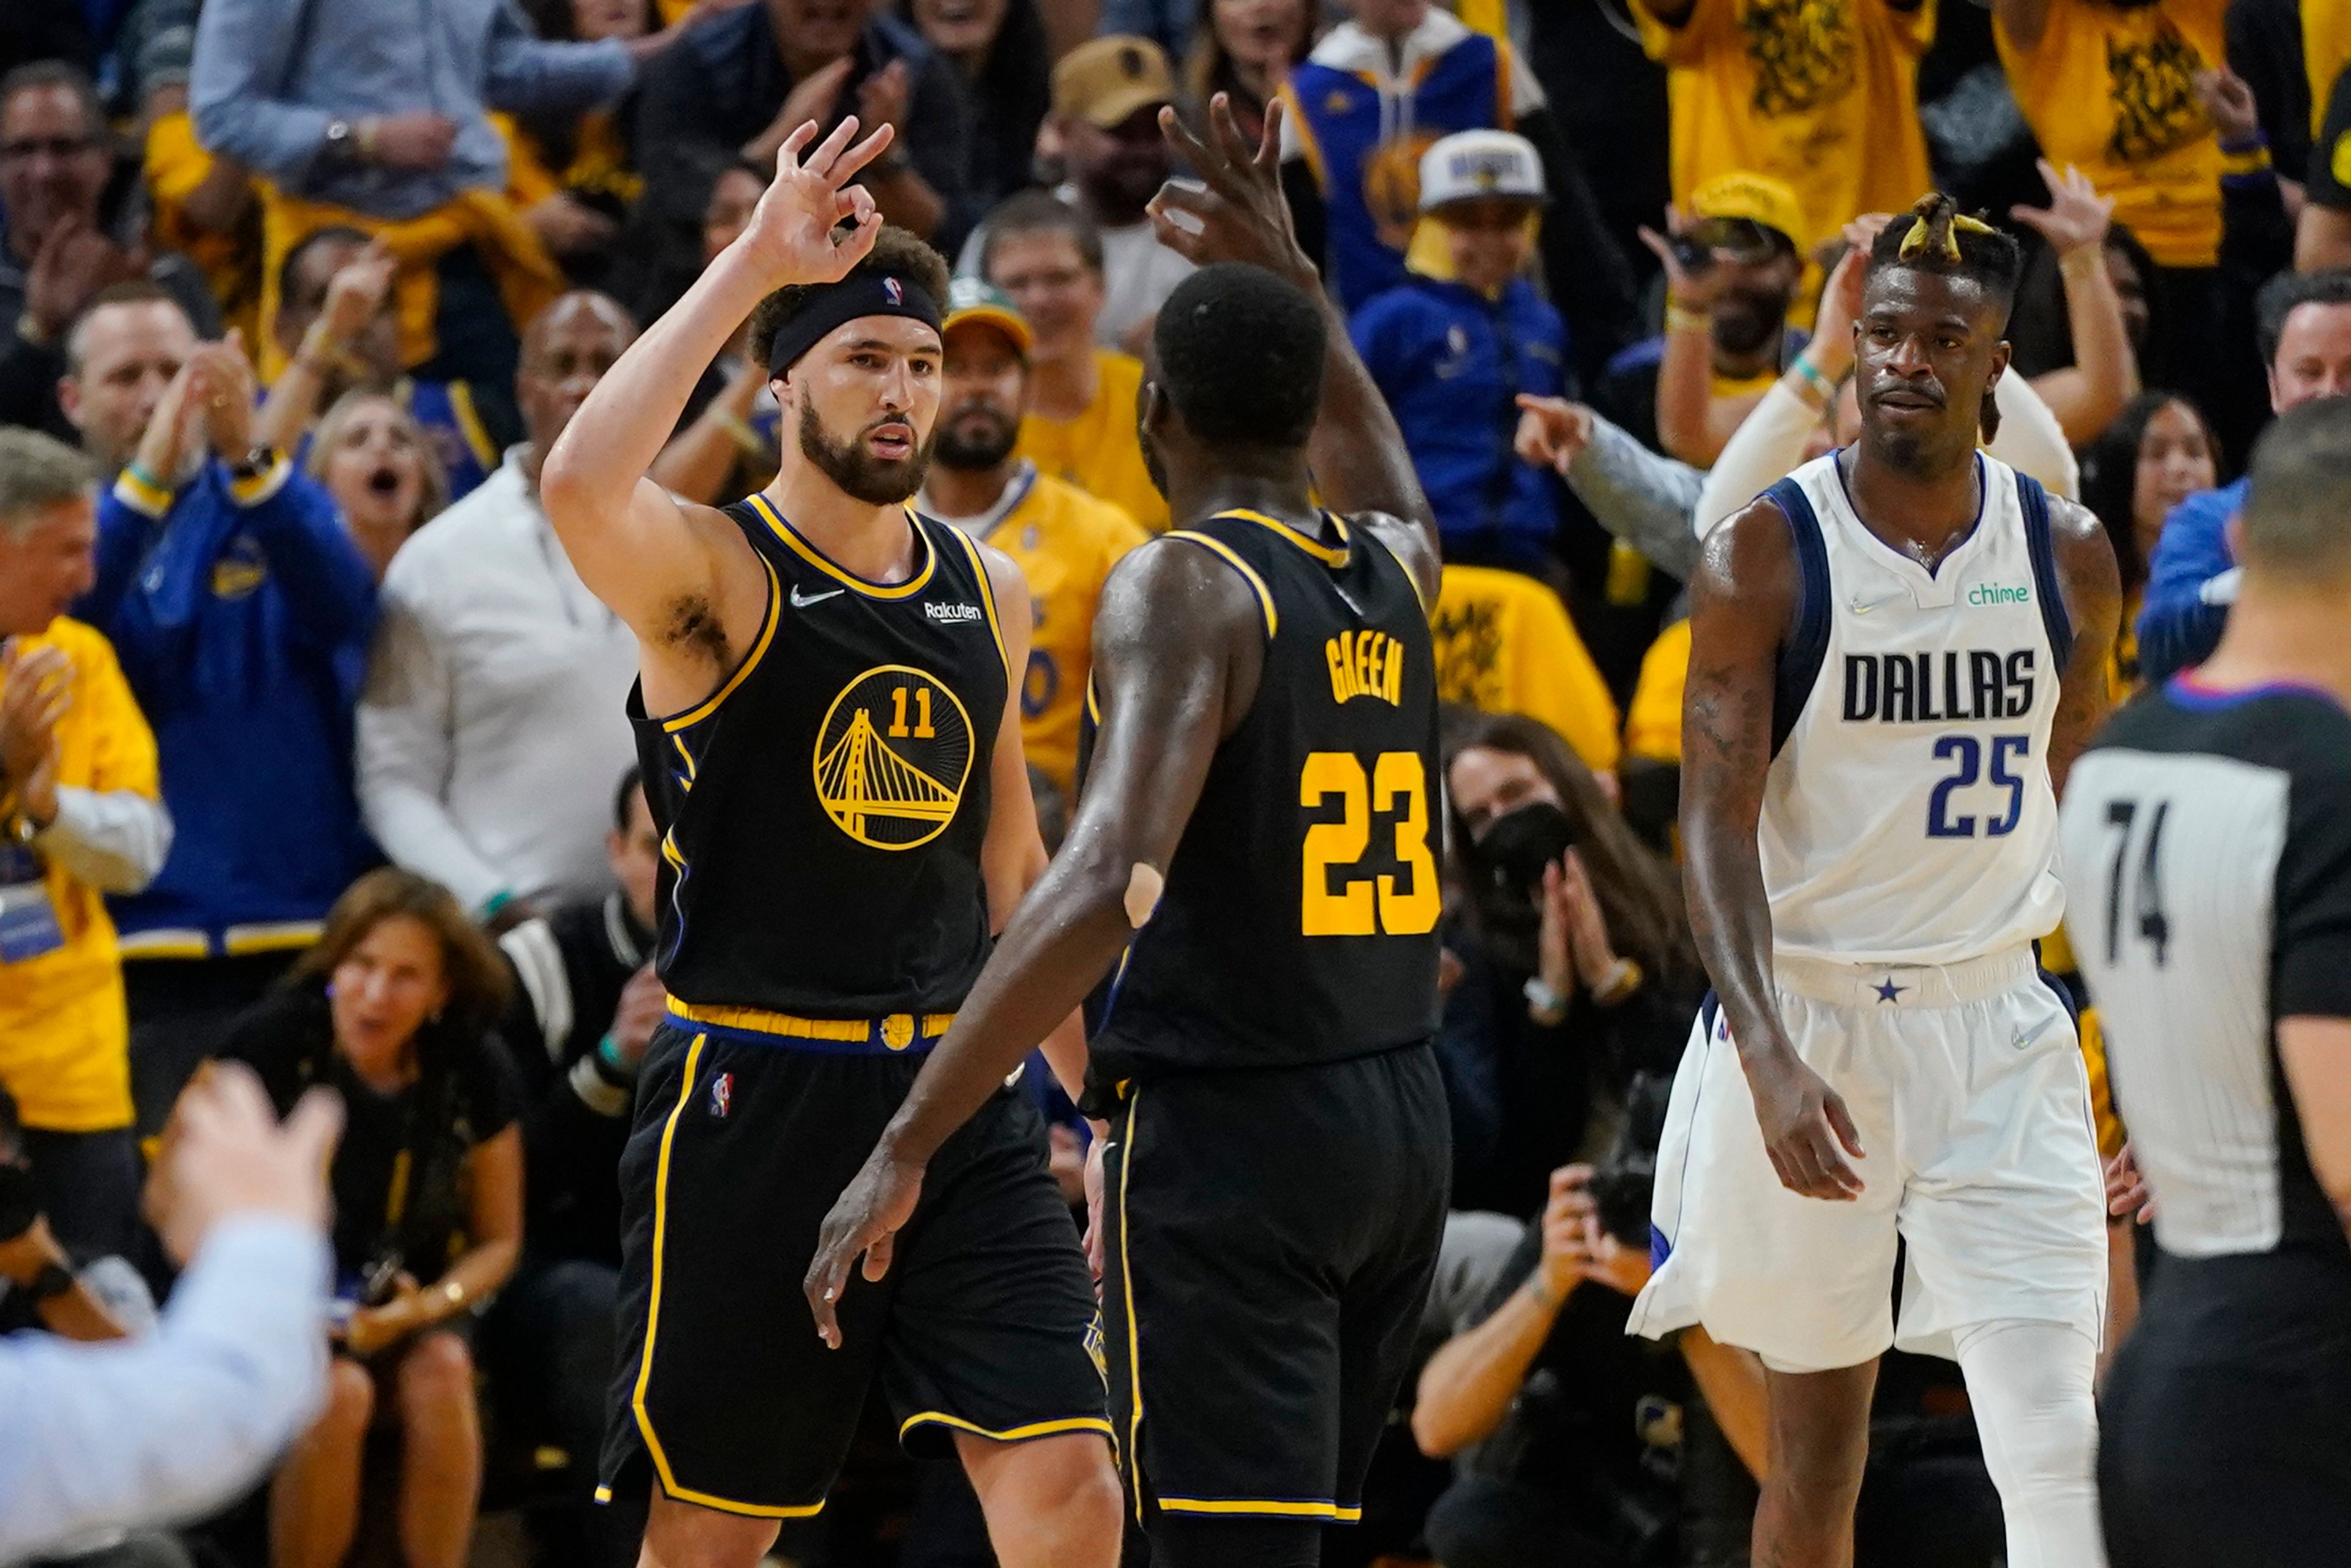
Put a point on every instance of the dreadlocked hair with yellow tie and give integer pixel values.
(1936, 236)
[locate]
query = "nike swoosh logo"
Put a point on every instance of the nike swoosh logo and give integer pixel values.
(1861, 609)
(800, 604)
(2020, 1038)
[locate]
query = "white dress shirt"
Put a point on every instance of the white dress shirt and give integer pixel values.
(95, 1439)
(492, 734)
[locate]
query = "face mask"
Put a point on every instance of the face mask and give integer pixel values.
(1518, 846)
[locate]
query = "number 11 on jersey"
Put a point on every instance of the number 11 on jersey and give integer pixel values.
(1332, 903)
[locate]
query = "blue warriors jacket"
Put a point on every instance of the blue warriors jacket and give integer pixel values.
(2177, 626)
(1451, 364)
(242, 613)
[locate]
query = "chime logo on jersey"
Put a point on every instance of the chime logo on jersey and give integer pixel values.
(722, 1095)
(891, 758)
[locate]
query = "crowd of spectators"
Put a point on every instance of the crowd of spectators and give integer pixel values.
(313, 746)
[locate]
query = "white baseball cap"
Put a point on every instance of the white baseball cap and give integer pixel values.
(1469, 164)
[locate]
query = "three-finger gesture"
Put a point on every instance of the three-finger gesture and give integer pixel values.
(796, 233)
(1235, 209)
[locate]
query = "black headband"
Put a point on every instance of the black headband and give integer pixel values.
(835, 304)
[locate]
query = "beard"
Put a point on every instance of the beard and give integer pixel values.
(992, 443)
(878, 482)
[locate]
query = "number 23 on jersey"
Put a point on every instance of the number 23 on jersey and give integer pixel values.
(1340, 897)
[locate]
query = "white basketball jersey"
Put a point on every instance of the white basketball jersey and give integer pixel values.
(1907, 816)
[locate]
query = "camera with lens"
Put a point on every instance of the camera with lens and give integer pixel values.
(1624, 1178)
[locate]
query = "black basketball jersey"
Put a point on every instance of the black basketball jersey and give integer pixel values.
(822, 812)
(1298, 923)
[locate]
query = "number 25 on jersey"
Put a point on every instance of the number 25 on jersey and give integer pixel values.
(1341, 899)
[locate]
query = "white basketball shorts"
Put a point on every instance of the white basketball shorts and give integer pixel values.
(1967, 1085)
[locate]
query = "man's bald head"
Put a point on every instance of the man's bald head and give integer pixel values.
(565, 349)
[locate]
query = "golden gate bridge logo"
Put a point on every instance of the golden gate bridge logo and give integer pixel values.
(891, 758)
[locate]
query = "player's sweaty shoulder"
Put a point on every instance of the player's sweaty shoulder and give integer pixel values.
(1748, 569)
(1409, 543)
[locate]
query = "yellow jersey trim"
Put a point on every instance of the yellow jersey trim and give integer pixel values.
(149, 500)
(1010, 1433)
(282, 936)
(1134, 1338)
(987, 599)
(756, 1020)
(603, 1494)
(679, 741)
(652, 1322)
(1093, 698)
(1279, 1507)
(261, 486)
(1295, 118)
(1307, 542)
(470, 426)
(166, 945)
(1411, 579)
(817, 558)
(709, 704)
(1232, 558)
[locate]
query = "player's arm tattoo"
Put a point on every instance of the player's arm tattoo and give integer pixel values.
(2092, 587)
(1742, 600)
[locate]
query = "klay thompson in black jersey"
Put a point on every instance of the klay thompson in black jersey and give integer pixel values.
(829, 747)
(1253, 851)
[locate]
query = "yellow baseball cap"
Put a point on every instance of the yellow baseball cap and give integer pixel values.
(1104, 80)
(972, 299)
(1756, 198)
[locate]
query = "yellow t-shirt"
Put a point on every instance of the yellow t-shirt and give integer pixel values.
(64, 1037)
(1099, 451)
(2325, 50)
(2113, 92)
(1504, 644)
(1653, 729)
(1066, 541)
(176, 164)
(1820, 94)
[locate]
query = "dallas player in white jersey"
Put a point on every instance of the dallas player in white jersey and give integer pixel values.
(1896, 654)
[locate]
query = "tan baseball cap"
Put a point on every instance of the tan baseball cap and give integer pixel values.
(1104, 80)
(970, 299)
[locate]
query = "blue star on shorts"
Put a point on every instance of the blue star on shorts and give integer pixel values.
(1887, 990)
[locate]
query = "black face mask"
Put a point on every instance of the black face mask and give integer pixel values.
(1515, 850)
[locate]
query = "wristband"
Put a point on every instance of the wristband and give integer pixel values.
(492, 904)
(2083, 260)
(139, 475)
(1681, 318)
(610, 1066)
(1541, 1292)
(1813, 381)
(1545, 1006)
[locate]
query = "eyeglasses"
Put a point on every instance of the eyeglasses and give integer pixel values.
(62, 148)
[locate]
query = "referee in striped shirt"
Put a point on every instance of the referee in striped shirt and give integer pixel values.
(2208, 862)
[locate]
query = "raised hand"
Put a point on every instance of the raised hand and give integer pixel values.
(224, 385)
(36, 690)
(1693, 288)
(74, 262)
(792, 236)
(355, 294)
(884, 97)
(1234, 210)
(173, 429)
(224, 1153)
(1553, 432)
(2229, 103)
(2076, 215)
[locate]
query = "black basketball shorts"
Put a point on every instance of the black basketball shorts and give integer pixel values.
(1272, 1234)
(985, 1322)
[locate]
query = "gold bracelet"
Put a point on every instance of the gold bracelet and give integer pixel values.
(1622, 982)
(1681, 318)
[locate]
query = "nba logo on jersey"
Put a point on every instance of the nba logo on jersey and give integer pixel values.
(894, 291)
(722, 1095)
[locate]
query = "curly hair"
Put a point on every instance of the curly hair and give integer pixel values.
(896, 253)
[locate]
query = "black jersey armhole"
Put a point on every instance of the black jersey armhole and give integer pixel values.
(1797, 665)
(2041, 544)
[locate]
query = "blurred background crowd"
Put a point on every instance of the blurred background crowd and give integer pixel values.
(312, 752)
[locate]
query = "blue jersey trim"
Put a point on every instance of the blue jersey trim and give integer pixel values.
(2040, 542)
(2190, 693)
(1798, 663)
